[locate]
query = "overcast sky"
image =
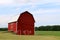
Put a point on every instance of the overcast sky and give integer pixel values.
(45, 12)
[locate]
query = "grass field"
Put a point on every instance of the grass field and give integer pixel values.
(39, 35)
(48, 33)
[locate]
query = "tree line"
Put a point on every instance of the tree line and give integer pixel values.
(48, 28)
(41, 28)
(3, 29)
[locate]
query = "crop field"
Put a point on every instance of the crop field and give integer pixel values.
(39, 35)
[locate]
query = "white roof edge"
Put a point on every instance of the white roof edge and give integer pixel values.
(14, 18)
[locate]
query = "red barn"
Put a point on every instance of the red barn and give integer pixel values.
(24, 25)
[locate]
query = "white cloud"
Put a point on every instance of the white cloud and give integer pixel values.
(36, 1)
(4, 19)
(4, 2)
(41, 16)
(25, 2)
(14, 18)
(46, 16)
(22, 1)
(44, 11)
(47, 19)
(38, 14)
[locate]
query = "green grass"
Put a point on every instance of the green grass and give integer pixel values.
(50, 33)
(39, 35)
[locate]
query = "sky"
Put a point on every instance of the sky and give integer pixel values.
(45, 12)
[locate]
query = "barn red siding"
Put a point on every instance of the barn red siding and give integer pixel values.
(9, 27)
(12, 27)
(24, 24)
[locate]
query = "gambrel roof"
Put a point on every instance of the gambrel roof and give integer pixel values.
(15, 18)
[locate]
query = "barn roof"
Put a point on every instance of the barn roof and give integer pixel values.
(25, 12)
(15, 18)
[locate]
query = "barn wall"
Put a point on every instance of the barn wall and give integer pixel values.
(26, 18)
(12, 27)
(9, 27)
(26, 24)
(19, 28)
(27, 29)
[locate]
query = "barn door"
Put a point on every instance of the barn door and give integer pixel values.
(19, 32)
(29, 32)
(26, 32)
